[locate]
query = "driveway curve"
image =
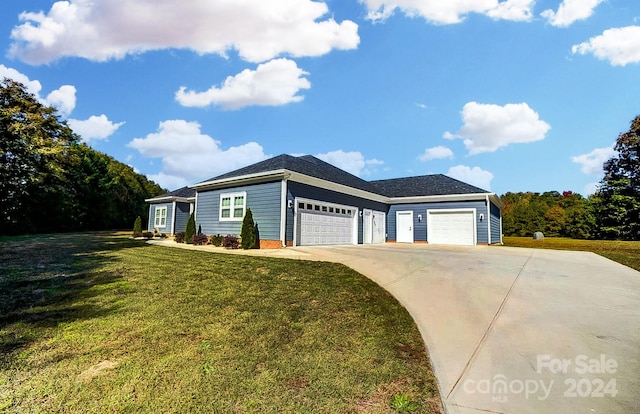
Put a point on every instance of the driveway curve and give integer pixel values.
(513, 330)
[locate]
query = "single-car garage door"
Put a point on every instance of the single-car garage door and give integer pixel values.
(451, 227)
(324, 224)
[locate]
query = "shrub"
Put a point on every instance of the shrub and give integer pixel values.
(137, 227)
(147, 235)
(191, 229)
(199, 239)
(179, 237)
(230, 242)
(216, 240)
(248, 233)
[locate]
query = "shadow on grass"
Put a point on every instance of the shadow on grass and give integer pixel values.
(46, 280)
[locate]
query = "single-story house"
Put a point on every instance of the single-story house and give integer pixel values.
(298, 201)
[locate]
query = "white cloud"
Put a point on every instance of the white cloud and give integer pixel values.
(436, 153)
(111, 29)
(63, 98)
(353, 161)
(94, 128)
(571, 11)
(450, 11)
(274, 83)
(188, 155)
(591, 188)
(593, 161)
(619, 46)
(488, 127)
(474, 176)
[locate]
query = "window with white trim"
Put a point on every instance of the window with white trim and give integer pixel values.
(233, 206)
(160, 217)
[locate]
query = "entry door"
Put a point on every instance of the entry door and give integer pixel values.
(379, 227)
(404, 226)
(367, 224)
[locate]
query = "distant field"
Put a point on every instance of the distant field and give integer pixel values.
(625, 252)
(101, 323)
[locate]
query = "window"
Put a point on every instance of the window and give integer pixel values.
(233, 206)
(160, 217)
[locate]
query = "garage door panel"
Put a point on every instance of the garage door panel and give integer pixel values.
(324, 224)
(451, 228)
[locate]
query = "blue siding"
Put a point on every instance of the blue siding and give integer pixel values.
(262, 199)
(152, 217)
(182, 216)
(420, 228)
(295, 189)
(495, 224)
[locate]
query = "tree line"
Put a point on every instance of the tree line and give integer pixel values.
(613, 212)
(52, 182)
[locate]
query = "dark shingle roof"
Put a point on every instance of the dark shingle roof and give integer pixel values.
(307, 165)
(184, 192)
(424, 185)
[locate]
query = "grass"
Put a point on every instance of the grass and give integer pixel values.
(101, 323)
(625, 252)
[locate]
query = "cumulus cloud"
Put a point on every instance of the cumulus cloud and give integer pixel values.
(620, 46)
(95, 127)
(450, 11)
(436, 153)
(571, 11)
(474, 176)
(110, 29)
(591, 163)
(63, 98)
(188, 155)
(488, 127)
(353, 161)
(274, 83)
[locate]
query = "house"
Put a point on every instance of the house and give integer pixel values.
(299, 201)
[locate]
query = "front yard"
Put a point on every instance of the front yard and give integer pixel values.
(101, 323)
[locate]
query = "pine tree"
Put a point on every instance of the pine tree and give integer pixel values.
(190, 230)
(137, 227)
(248, 232)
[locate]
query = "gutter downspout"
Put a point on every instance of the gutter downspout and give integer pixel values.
(488, 220)
(283, 211)
(173, 218)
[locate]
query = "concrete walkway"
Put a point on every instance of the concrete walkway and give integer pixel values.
(511, 330)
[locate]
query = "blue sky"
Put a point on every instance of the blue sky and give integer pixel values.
(511, 95)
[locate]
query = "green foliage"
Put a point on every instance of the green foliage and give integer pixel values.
(403, 404)
(248, 232)
(618, 197)
(567, 214)
(190, 230)
(137, 227)
(216, 240)
(51, 182)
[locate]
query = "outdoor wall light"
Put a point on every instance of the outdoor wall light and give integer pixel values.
(481, 216)
(360, 213)
(289, 203)
(419, 218)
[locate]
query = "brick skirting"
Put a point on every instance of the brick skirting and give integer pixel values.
(270, 244)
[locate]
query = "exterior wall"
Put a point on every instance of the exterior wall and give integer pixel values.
(420, 227)
(263, 200)
(496, 237)
(152, 217)
(182, 216)
(295, 189)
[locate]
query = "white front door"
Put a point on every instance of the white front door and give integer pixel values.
(404, 226)
(367, 224)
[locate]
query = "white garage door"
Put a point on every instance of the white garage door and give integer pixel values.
(324, 224)
(451, 227)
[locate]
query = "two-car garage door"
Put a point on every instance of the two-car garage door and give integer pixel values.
(324, 224)
(451, 227)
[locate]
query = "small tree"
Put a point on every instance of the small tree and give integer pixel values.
(190, 230)
(137, 227)
(248, 232)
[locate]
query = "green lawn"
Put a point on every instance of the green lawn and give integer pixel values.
(625, 252)
(101, 323)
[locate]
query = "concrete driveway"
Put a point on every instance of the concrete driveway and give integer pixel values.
(515, 330)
